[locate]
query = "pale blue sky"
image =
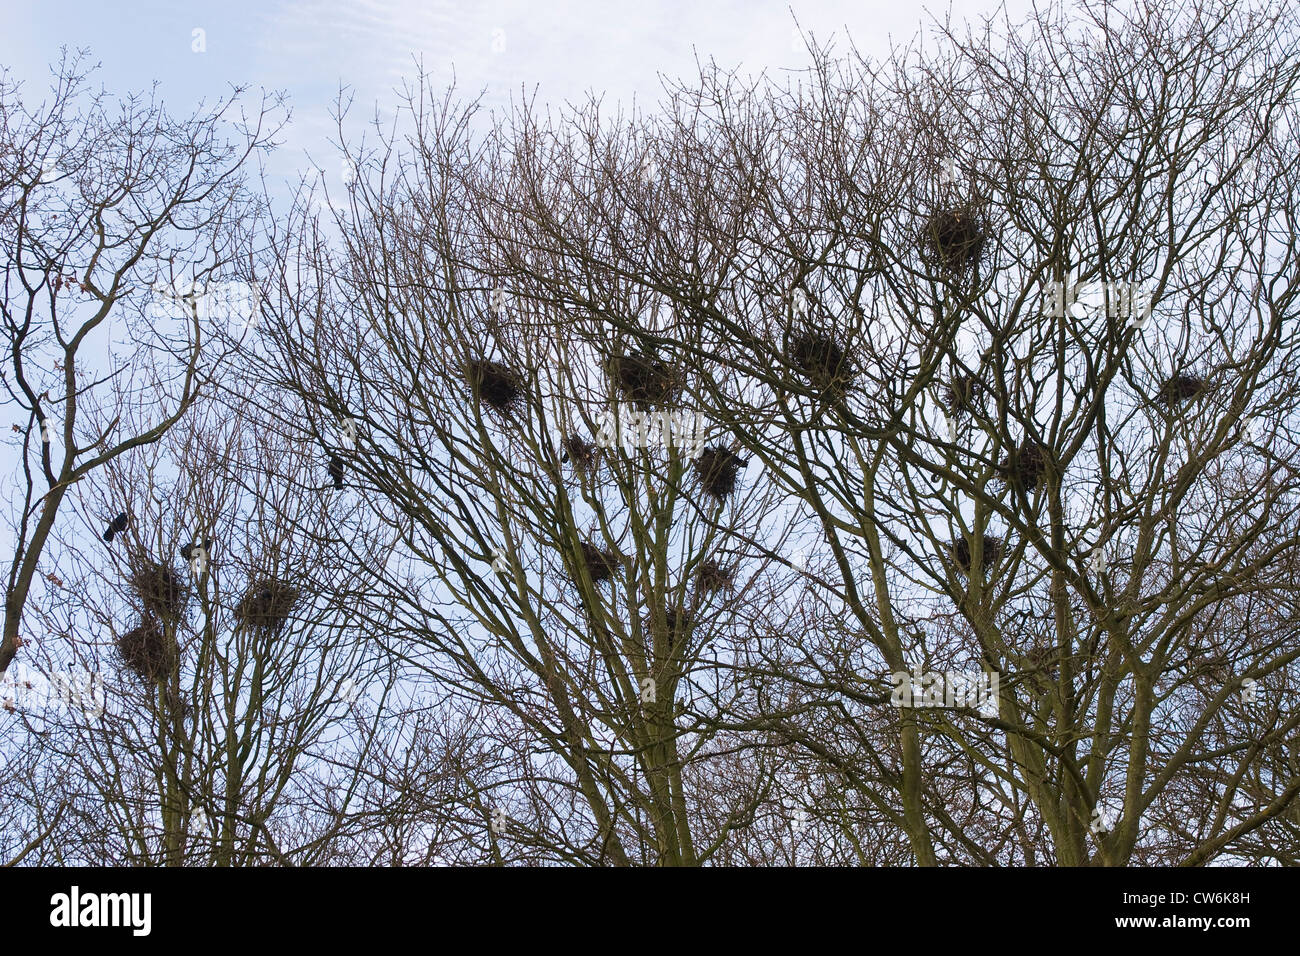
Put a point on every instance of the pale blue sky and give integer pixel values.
(566, 48)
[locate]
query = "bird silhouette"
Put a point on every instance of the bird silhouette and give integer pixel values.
(116, 526)
(187, 550)
(336, 470)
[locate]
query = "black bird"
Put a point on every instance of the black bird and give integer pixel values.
(116, 526)
(336, 470)
(187, 550)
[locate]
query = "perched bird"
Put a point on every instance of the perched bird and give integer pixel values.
(336, 470)
(187, 550)
(116, 526)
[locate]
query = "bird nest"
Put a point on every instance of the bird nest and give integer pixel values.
(679, 624)
(822, 360)
(601, 563)
(712, 576)
(955, 238)
(160, 589)
(643, 380)
(962, 394)
(266, 605)
(1026, 465)
(498, 386)
(717, 469)
(146, 650)
(960, 550)
(1181, 388)
(581, 454)
(1044, 660)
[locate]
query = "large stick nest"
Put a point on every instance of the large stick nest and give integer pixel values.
(955, 238)
(678, 622)
(962, 394)
(960, 550)
(1027, 465)
(146, 650)
(1044, 659)
(643, 380)
(160, 588)
(1181, 388)
(266, 604)
(717, 469)
(712, 576)
(579, 453)
(822, 359)
(601, 563)
(500, 387)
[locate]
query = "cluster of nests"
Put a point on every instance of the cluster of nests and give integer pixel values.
(962, 393)
(1026, 464)
(643, 381)
(716, 468)
(711, 575)
(639, 378)
(960, 552)
(955, 238)
(149, 648)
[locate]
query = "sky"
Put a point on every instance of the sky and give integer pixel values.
(563, 49)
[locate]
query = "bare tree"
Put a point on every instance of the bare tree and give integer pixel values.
(675, 470)
(1067, 494)
(99, 202)
(999, 323)
(238, 719)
